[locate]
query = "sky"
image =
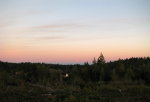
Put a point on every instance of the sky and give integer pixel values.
(73, 31)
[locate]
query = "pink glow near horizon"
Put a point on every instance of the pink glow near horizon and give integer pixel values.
(65, 56)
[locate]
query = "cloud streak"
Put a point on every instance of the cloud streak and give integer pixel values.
(51, 37)
(52, 26)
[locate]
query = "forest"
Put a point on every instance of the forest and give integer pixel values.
(124, 80)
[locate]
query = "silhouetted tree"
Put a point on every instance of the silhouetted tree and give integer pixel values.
(101, 59)
(94, 61)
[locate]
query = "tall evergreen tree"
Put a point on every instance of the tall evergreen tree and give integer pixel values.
(101, 59)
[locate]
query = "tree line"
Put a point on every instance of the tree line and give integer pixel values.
(63, 80)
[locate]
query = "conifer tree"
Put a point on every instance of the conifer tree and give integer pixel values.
(101, 59)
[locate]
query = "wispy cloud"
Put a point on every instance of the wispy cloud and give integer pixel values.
(53, 28)
(58, 26)
(51, 37)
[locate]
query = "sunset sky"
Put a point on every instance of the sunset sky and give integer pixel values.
(73, 31)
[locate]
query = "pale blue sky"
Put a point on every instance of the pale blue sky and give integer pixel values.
(105, 24)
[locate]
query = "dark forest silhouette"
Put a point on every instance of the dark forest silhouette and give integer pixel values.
(125, 80)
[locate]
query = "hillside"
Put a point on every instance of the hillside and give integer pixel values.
(125, 80)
